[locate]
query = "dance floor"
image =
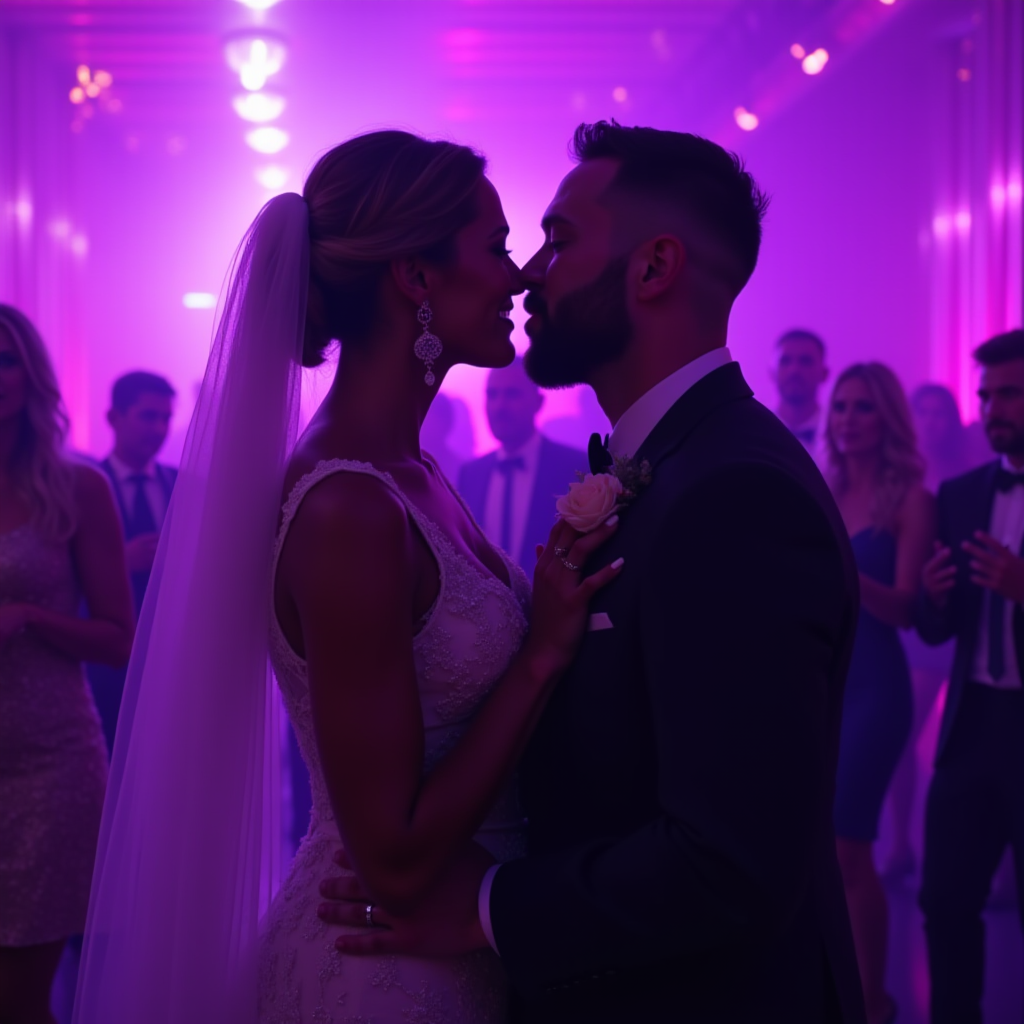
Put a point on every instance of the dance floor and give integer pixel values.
(908, 968)
(908, 965)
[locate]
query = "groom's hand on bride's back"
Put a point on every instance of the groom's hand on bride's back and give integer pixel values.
(445, 923)
(562, 594)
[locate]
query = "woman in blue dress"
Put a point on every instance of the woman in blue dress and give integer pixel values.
(876, 474)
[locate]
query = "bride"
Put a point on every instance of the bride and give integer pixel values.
(397, 633)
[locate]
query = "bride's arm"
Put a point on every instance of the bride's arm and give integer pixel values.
(350, 568)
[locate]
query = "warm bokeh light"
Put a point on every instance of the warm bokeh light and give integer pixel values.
(745, 119)
(82, 73)
(797, 51)
(199, 300)
(259, 106)
(963, 221)
(258, 5)
(814, 62)
(104, 79)
(92, 90)
(77, 94)
(888, 3)
(620, 94)
(267, 140)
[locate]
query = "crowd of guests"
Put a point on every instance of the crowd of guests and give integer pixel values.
(935, 514)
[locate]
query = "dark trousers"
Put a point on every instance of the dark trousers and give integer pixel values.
(975, 809)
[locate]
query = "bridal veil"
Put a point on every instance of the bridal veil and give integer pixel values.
(188, 848)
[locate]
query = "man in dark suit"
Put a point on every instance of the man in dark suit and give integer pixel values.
(679, 785)
(973, 591)
(141, 406)
(511, 492)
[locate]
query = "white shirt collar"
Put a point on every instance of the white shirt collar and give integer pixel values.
(637, 422)
(124, 472)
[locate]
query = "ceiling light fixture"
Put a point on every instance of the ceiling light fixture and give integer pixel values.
(272, 177)
(255, 57)
(267, 139)
(258, 106)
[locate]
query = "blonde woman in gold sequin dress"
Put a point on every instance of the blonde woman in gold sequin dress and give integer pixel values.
(60, 542)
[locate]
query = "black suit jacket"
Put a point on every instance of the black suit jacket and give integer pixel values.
(557, 466)
(964, 505)
(679, 786)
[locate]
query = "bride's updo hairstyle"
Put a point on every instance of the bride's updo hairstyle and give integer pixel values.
(374, 199)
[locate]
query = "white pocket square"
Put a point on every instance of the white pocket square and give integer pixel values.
(599, 620)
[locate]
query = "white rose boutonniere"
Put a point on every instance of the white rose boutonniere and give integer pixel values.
(590, 501)
(596, 497)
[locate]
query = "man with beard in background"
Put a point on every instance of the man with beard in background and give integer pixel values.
(973, 591)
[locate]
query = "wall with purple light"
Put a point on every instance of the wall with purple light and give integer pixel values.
(145, 200)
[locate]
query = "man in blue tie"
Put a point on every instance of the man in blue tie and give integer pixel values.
(141, 406)
(974, 591)
(512, 491)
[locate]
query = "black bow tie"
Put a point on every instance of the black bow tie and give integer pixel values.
(1006, 481)
(598, 455)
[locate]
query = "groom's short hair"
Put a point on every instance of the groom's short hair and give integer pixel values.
(708, 183)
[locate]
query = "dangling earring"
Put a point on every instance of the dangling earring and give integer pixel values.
(428, 346)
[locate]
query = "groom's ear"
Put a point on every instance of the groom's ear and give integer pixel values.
(662, 260)
(410, 279)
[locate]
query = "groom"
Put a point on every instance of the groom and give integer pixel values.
(679, 786)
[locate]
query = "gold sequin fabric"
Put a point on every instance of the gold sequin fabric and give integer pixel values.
(53, 760)
(461, 650)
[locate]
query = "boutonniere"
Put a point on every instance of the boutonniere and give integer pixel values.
(596, 497)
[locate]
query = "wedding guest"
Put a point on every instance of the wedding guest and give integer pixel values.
(876, 473)
(511, 492)
(949, 449)
(973, 592)
(799, 373)
(60, 542)
(141, 407)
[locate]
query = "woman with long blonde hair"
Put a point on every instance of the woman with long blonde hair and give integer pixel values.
(60, 543)
(876, 473)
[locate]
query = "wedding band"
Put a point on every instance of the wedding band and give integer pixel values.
(369, 916)
(561, 552)
(570, 566)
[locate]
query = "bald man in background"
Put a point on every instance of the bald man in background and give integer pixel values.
(511, 492)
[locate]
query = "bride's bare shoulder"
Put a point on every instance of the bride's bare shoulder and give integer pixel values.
(343, 502)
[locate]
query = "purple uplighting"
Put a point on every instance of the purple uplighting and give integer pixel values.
(141, 139)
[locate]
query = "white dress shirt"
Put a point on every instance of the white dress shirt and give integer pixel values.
(633, 428)
(522, 482)
(1007, 526)
(152, 488)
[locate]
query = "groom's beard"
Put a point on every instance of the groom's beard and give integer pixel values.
(590, 328)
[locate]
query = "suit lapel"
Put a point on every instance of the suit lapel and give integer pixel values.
(718, 388)
(980, 518)
(108, 468)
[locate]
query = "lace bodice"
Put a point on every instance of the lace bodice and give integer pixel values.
(462, 647)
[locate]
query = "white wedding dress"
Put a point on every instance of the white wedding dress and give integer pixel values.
(462, 648)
